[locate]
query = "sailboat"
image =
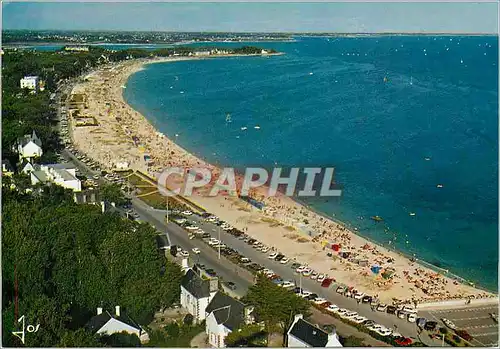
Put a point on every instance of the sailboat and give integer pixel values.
(411, 80)
(228, 117)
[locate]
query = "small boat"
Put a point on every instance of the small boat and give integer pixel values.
(311, 73)
(182, 91)
(123, 86)
(427, 159)
(257, 127)
(385, 79)
(377, 218)
(243, 128)
(461, 61)
(439, 185)
(412, 214)
(411, 80)
(228, 117)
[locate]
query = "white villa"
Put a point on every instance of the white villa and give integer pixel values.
(196, 293)
(31, 83)
(63, 175)
(107, 323)
(225, 314)
(29, 147)
(303, 334)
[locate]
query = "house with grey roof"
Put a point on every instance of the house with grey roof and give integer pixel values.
(303, 334)
(107, 323)
(29, 147)
(225, 314)
(196, 293)
(63, 175)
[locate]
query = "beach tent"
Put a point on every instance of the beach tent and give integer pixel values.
(336, 247)
(376, 269)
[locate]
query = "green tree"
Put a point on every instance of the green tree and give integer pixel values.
(274, 305)
(113, 193)
(78, 338)
(246, 336)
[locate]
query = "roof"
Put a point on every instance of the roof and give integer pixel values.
(162, 240)
(98, 321)
(42, 177)
(29, 138)
(63, 166)
(309, 334)
(227, 311)
(65, 175)
(194, 284)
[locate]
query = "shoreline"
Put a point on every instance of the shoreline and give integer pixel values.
(249, 220)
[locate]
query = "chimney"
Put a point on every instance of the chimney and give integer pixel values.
(214, 285)
(298, 317)
(99, 311)
(117, 310)
(185, 264)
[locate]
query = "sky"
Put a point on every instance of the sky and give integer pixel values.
(352, 17)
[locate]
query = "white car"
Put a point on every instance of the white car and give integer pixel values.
(265, 249)
(307, 272)
(340, 289)
(227, 228)
(382, 307)
(350, 315)
(314, 275)
(288, 284)
(332, 308)
(284, 260)
(321, 278)
(184, 254)
(300, 269)
(384, 331)
(272, 255)
(196, 250)
(359, 295)
(305, 293)
(359, 319)
(320, 301)
(192, 227)
(412, 318)
(257, 244)
(187, 213)
(213, 242)
(342, 311)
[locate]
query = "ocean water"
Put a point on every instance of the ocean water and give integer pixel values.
(325, 103)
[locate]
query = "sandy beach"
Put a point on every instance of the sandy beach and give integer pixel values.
(124, 135)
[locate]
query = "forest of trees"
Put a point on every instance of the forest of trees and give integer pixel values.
(69, 259)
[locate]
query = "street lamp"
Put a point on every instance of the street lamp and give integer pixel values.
(219, 240)
(167, 209)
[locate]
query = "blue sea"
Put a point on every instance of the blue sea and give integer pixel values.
(395, 116)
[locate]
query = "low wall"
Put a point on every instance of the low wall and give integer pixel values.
(458, 303)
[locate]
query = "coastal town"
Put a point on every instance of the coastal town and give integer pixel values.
(234, 271)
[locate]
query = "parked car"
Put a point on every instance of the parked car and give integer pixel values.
(284, 260)
(312, 297)
(430, 325)
(332, 308)
(412, 318)
(231, 285)
(391, 309)
(326, 282)
(382, 307)
(366, 299)
(272, 255)
(307, 272)
(449, 323)
(404, 341)
(340, 289)
(196, 250)
(319, 301)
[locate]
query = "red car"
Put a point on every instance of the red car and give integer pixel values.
(403, 341)
(326, 283)
(325, 305)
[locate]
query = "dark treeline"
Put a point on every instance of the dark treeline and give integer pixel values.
(69, 259)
